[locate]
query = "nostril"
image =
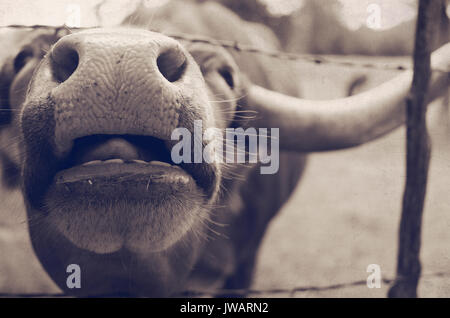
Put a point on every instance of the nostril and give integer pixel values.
(172, 64)
(64, 62)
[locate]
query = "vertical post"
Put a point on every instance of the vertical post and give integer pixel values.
(418, 155)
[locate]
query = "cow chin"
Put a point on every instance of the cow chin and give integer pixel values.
(122, 272)
(126, 242)
(104, 222)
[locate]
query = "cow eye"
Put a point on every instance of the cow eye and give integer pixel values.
(225, 72)
(21, 59)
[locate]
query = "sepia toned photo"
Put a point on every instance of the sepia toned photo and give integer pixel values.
(224, 149)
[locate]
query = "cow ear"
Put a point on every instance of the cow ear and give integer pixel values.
(10, 171)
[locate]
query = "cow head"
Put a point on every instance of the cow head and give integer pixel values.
(94, 111)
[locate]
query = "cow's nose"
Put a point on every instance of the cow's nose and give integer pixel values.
(65, 56)
(116, 82)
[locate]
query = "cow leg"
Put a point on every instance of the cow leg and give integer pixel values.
(243, 276)
(252, 224)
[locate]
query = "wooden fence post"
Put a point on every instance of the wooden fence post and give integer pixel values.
(418, 155)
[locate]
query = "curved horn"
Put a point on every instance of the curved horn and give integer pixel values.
(317, 125)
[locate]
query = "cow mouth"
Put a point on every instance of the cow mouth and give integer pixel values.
(108, 160)
(114, 192)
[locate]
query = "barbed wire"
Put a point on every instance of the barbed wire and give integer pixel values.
(316, 59)
(292, 291)
(239, 292)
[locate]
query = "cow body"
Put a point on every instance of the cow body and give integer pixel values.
(224, 254)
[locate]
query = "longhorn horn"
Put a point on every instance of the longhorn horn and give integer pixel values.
(318, 125)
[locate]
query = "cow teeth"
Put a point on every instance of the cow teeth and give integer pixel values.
(139, 161)
(160, 163)
(93, 162)
(114, 161)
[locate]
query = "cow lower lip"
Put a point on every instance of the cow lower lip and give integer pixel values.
(122, 206)
(118, 174)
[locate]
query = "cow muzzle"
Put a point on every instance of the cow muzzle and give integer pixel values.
(97, 122)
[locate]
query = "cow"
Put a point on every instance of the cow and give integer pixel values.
(88, 118)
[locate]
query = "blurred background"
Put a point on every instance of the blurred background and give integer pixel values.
(302, 26)
(345, 213)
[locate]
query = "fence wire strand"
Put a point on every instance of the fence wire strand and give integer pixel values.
(291, 292)
(316, 59)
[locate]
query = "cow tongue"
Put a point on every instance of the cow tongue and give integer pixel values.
(112, 147)
(90, 162)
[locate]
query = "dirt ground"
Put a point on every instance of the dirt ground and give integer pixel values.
(346, 210)
(343, 217)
